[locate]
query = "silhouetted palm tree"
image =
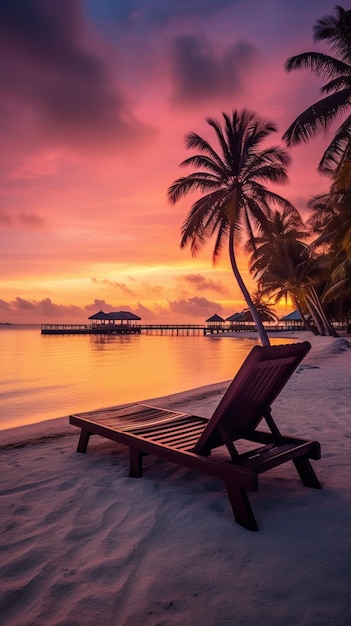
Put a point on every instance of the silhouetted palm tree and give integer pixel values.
(263, 306)
(336, 70)
(331, 216)
(277, 257)
(232, 180)
(284, 266)
(331, 222)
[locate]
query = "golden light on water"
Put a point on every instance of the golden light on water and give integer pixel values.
(45, 377)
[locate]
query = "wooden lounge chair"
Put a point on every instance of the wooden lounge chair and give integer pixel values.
(208, 445)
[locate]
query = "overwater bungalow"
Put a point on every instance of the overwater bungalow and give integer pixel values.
(102, 323)
(124, 317)
(292, 321)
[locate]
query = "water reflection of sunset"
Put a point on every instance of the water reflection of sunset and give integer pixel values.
(53, 376)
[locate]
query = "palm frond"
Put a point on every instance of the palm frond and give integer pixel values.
(194, 182)
(196, 227)
(336, 70)
(201, 160)
(316, 117)
(194, 141)
(222, 142)
(321, 65)
(336, 29)
(338, 149)
(338, 83)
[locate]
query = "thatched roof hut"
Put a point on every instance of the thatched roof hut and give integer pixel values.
(215, 319)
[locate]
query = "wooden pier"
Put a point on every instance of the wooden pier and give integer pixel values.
(193, 329)
(148, 329)
(90, 329)
(173, 329)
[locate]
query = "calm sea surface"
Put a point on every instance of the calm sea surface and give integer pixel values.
(43, 377)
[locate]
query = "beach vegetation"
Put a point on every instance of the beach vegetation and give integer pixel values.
(330, 222)
(334, 29)
(263, 306)
(286, 265)
(232, 179)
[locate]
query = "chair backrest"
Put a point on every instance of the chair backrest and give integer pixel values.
(260, 379)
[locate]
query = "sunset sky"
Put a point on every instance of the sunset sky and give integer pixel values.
(96, 99)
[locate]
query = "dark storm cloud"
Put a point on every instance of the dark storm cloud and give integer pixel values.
(200, 71)
(51, 74)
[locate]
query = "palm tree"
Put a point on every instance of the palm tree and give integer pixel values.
(284, 265)
(331, 217)
(235, 196)
(263, 307)
(331, 221)
(277, 257)
(336, 70)
(337, 295)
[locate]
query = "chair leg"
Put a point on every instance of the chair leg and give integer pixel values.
(241, 506)
(83, 440)
(307, 473)
(136, 463)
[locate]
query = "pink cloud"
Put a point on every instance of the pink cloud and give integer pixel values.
(23, 310)
(201, 283)
(111, 284)
(194, 307)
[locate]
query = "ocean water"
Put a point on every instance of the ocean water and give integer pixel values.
(44, 377)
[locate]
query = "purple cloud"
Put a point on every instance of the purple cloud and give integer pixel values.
(55, 75)
(194, 307)
(203, 284)
(200, 71)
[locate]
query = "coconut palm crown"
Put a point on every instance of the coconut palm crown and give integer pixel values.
(285, 265)
(232, 181)
(336, 70)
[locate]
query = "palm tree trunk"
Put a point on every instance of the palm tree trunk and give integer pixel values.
(314, 302)
(327, 325)
(255, 316)
(307, 324)
(314, 314)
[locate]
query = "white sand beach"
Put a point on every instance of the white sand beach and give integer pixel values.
(85, 545)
